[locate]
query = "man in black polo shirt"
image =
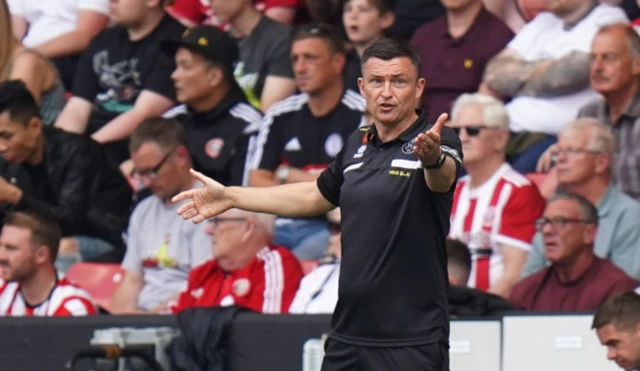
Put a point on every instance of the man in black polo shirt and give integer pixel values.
(218, 119)
(301, 135)
(394, 184)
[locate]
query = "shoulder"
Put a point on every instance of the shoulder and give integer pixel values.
(429, 30)
(274, 31)
(291, 104)
(144, 207)
(201, 272)
(70, 144)
(514, 178)
(7, 287)
(169, 26)
(67, 289)
(624, 204)
(592, 108)
(524, 286)
(608, 269)
(278, 256)
(604, 14)
(178, 113)
(354, 101)
(248, 115)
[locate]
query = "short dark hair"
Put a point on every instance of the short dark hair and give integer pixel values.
(165, 132)
(459, 256)
(383, 6)
(621, 310)
(322, 31)
(18, 101)
(588, 212)
(44, 229)
(388, 48)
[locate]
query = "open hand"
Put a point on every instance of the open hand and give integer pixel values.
(427, 145)
(204, 202)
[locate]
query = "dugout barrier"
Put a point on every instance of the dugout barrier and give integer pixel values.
(275, 342)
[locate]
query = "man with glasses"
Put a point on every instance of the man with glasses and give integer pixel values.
(494, 207)
(161, 250)
(246, 269)
(577, 279)
(584, 158)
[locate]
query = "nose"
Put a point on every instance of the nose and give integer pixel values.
(386, 90)
(174, 74)
(299, 66)
(611, 353)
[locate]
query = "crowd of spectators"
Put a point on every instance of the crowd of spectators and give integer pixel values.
(106, 105)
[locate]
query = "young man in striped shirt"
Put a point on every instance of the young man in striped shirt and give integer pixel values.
(30, 285)
(246, 270)
(494, 207)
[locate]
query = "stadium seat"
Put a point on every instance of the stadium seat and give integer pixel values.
(308, 265)
(99, 280)
(537, 178)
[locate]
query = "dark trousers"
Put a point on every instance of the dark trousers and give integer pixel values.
(345, 357)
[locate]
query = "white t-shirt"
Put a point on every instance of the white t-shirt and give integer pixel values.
(545, 38)
(49, 19)
(165, 248)
(318, 292)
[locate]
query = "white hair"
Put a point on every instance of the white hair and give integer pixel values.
(600, 137)
(494, 114)
(266, 222)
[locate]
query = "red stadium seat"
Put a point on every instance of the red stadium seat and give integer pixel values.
(308, 265)
(99, 280)
(537, 178)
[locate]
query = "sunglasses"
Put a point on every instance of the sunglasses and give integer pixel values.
(471, 130)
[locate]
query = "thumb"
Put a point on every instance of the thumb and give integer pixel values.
(439, 123)
(201, 177)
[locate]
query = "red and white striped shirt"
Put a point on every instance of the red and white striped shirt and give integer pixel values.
(66, 299)
(502, 211)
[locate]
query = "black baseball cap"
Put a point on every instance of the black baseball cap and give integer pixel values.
(208, 41)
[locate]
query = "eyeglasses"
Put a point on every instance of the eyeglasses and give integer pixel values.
(471, 130)
(153, 172)
(570, 150)
(215, 221)
(559, 223)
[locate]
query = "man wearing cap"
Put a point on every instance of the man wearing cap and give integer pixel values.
(217, 118)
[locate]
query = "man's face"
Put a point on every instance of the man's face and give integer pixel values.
(229, 231)
(192, 77)
(478, 140)
(390, 88)
(227, 10)
(565, 235)
(17, 142)
(576, 161)
(623, 346)
(128, 12)
(315, 66)
(457, 5)
(159, 169)
(363, 21)
(612, 65)
(17, 253)
(564, 7)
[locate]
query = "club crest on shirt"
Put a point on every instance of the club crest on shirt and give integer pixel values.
(333, 144)
(488, 217)
(214, 147)
(241, 287)
(407, 148)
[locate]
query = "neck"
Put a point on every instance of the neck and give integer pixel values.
(570, 272)
(327, 99)
(144, 28)
(360, 48)
(209, 101)
(580, 12)
(618, 100)
(391, 131)
(459, 21)
(38, 153)
(245, 22)
(482, 171)
(37, 288)
(593, 189)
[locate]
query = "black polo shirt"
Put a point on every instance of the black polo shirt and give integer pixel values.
(292, 135)
(219, 139)
(393, 277)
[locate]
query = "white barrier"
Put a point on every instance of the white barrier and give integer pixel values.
(474, 345)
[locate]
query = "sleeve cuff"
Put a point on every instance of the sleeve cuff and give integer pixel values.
(510, 241)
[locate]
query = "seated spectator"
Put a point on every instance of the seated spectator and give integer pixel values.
(216, 116)
(121, 78)
(544, 71)
(161, 248)
(615, 74)
(466, 301)
(246, 270)
(365, 21)
(577, 279)
(62, 174)
(264, 68)
(17, 62)
(300, 136)
(585, 156)
(617, 324)
(494, 207)
(318, 292)
(59, 29)
(411, 14)
(459, 64)
(30, 285)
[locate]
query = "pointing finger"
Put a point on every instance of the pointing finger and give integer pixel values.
(183, 196)
(439, 123)
(187, 206)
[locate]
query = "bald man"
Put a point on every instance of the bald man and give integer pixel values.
(246, 270)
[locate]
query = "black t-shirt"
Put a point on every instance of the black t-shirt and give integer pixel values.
(219, 139)
(411, 14)
(393, 278)
(352, 71)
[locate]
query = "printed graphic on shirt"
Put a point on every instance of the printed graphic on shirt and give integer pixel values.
(120, 82)
(160, 257)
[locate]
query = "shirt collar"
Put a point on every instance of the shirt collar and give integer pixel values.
(233, 97)
(607, 201)
(632, 109)
(406, 136)
(477, 22)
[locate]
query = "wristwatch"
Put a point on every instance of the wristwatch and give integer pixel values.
(439, 162)
(282, 174)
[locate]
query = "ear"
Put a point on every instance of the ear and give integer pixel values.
(338, 62)
(42, 254)
(361, 85)
(250, 227)
(501, 139)
(387, 20)
(635, 66)
(216, 76)
(35, 124)
(603, 163)
(589, 234)
(183, 153)
(420, 87)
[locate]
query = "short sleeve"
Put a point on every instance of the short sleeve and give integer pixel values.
(16, 7)
(269, 144)
(100, 6)
(158, 78)
(526, 37)
(85, 83)
(279, 60)
(518, 223)
(330, 180)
